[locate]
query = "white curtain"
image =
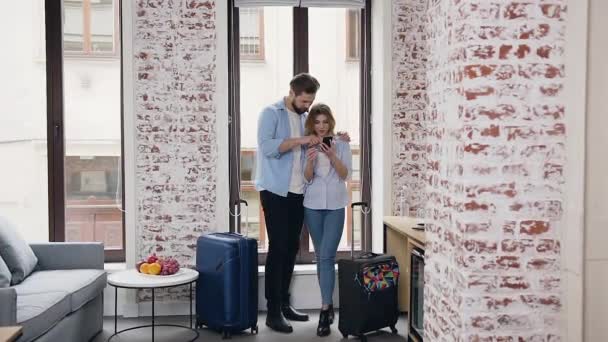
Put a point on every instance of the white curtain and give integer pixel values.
(301, 3)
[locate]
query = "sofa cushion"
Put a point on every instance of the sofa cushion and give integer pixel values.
(39, 312)
(17, 254)
(81, 286)
(5, 274)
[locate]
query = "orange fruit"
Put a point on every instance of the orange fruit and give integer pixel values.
(144, 268)
(154, 268)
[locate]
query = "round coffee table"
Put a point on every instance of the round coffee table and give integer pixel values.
(131, 279)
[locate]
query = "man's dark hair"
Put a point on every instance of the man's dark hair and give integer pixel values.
(304, 83)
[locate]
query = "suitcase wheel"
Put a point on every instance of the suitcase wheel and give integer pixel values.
(254, 330)
(344, 335)
(363, 338)
(226, 335)
(394, 330)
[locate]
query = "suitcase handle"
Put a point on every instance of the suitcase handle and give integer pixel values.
(237, 213)
(368, 255)
(365, 210)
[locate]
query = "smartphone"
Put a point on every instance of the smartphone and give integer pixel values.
(327, 141)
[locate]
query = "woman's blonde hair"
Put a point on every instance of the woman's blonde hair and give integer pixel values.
(313, 113)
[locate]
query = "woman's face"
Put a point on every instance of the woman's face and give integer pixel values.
(321, 125)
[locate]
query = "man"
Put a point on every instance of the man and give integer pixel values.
(280, 181)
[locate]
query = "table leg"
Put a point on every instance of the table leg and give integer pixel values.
(190, 305)
(115, 309)
(152, 314)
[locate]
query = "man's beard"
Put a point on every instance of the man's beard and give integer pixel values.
(296, 109)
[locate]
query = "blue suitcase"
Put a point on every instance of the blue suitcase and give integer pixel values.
(227, 287)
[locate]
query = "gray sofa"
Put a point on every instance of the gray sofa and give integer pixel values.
(62, 300)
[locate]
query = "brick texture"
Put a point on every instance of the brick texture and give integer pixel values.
(175, 86)
(409, 104)
(494, 135)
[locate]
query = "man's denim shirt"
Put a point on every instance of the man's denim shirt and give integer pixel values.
(273, 171)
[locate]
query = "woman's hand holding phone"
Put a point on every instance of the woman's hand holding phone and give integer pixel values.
(329, 150)
(311, 155)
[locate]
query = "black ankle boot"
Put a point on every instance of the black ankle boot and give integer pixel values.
(331, 314)
(291, 313)
(323, 328)
(277, 322)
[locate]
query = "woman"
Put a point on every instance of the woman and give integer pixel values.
(327, 167)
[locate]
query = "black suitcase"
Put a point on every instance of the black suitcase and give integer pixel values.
(368, 291)
(227, 287)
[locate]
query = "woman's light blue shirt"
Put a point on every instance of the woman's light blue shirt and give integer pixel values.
(329, 192)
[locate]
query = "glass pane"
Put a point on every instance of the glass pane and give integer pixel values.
(261, 85)
(93, 171)
(339, 76)
(23, 147)
(102, 26)
(73, 26)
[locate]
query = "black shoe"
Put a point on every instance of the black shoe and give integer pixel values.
(292, 314)
(277, 322)
(323, 328)
(331, 314)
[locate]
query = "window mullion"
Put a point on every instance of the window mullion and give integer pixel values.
(55, 142)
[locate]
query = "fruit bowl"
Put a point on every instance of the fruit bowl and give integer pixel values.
(158, 266)
(162, 276)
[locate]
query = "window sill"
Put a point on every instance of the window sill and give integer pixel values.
(307, 269)
(112, 267)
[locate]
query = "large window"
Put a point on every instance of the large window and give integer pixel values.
(24, 175)
(60, 127)
(310, 40)
(92, 125)
(60, 131)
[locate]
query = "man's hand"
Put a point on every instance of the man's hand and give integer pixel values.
(344, 136)
(311, 140)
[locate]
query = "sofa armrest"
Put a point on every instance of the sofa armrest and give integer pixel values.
(8, 306)
(69, 255)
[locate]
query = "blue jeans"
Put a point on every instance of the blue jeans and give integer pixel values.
(325, 228)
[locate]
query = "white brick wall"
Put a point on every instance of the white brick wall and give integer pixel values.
(495, 135)
(175, 85)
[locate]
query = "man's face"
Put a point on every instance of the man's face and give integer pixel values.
(301, 103)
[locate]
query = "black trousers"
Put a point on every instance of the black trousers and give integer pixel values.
(284, 218)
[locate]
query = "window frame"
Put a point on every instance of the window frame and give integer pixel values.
(87, 52)
(55, 125)
(300, 64)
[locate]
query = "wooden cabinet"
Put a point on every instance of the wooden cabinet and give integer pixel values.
(399, 240)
